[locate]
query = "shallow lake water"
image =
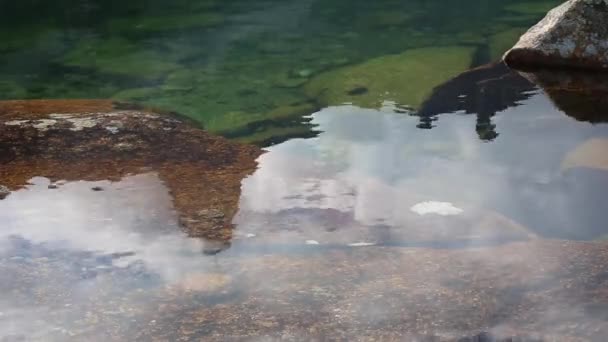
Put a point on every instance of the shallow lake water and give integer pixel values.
(411, 189)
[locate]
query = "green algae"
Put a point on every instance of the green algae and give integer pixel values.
(212, 102)
(152, 24)
(238, 123)
(386, 19)
(11, 90)
(535, 8)
(137, 94)
(407, 78)
(291, 111)
(120, 56)
(26, 38)
(501, 42)
(233, 65)
(272, 135)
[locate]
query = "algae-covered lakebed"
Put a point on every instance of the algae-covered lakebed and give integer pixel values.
(250, 69)
(368, 171)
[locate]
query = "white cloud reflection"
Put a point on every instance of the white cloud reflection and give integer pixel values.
(376, 165)
(363, 174)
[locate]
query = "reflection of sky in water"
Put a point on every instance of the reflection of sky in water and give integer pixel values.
(377, 165)
(65, 250)
(133, 216)
(91, 265)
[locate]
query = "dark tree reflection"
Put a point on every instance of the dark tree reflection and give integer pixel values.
(483, 91)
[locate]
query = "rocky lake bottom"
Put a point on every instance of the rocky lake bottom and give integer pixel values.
(367, 171)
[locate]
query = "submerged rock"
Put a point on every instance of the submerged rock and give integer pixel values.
(590, 154)
(574, 34)
(202, 282)
(406, 79)
(530, 291)
(84, 140)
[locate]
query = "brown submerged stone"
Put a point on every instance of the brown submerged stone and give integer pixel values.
(542, 290)
(581, 95)
(92, 140)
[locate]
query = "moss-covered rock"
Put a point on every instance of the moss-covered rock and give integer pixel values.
(407, 78)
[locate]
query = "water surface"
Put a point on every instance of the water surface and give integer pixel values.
(370, 114)
(239, 67)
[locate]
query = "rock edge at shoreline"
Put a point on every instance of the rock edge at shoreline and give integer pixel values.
(572, 35)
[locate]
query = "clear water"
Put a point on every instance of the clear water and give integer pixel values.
(365, 127)
(239, 67)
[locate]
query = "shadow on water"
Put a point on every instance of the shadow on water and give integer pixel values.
(489, 89)
(483, 91)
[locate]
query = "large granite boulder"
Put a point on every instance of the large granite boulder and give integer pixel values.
(574, 35)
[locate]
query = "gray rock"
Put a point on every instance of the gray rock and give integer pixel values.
(574, 34)
(4, 191)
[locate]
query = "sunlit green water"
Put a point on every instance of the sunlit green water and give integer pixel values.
(251, 69)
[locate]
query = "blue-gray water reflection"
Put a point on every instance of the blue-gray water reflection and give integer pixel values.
(368, 168)
(372, 229)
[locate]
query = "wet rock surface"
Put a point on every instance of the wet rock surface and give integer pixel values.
(486, 294)
(82, 140)
(590, 154)
(379, 293)
(572, 35)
